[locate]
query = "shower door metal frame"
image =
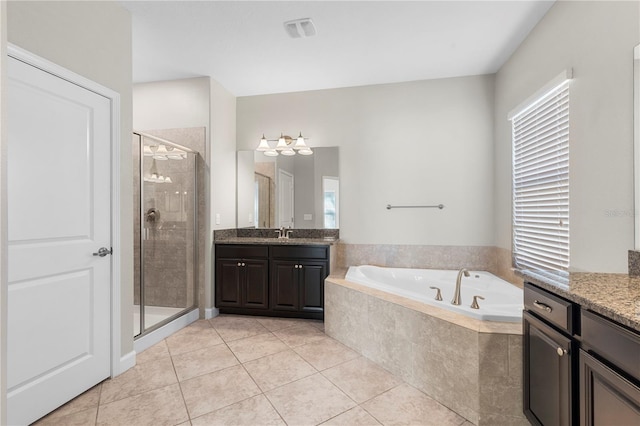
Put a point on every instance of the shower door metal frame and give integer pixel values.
(144, 331)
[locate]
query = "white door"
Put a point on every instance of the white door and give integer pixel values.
(58, 338)
(285, 196)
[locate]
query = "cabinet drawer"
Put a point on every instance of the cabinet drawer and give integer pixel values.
(300, 252)
(232, 251)
(611, 341)
(549, 306)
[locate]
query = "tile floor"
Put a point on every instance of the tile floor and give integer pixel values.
(237, 370)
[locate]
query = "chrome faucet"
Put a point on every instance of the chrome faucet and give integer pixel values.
(456, 296)
(283, 233)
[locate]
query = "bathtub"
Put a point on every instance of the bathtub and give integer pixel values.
(503, 302)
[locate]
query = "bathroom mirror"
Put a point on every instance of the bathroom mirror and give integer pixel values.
(636, 145)
(298, 191)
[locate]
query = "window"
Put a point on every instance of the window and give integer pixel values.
(540, 133)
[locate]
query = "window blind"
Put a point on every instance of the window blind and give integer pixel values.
(540, 134)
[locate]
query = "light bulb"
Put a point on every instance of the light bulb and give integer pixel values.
(300, 142)
(264, 145)
(161, 153)
(282, 143)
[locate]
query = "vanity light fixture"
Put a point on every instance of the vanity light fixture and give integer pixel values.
(154, 176)
(285, 145)
(162, 152)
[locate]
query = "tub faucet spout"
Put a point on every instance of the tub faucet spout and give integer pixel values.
(456, 296)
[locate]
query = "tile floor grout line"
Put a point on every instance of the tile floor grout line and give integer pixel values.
(371, 414)
(184, 401)
(274, 408)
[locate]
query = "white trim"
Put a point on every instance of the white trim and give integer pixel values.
(527, 103)
(211, 313)
(20, 54)
(127, 361)
(165, 331)
(636, 143)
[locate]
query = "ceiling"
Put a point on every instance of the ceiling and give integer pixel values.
(244, 46)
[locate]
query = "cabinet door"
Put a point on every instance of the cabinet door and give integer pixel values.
(256, 284)
(284, 285)
(228, 280)
(547, 374)
(312, 275)
(606, 398)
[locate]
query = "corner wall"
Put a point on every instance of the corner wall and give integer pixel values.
(3, 215)
(416, 143)
(92, 39)
(596, 39)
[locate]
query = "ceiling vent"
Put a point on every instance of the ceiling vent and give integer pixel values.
(299, 28)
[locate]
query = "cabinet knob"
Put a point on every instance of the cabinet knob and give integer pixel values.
(244, 264)
(239, 264)
(561, 351)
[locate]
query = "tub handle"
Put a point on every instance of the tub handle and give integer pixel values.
(438, 293)
(474, 304)
(542, 306)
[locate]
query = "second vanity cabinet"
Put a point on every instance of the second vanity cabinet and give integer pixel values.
(609, 370)
(549, 378)
(275, 280)
(580, 368)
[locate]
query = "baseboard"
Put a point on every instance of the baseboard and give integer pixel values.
(156, 336)
(127, 361)
(211, 313)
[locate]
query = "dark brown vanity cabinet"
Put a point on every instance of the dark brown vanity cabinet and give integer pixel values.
(609, 371)
(549, 352)
(242, 277)
(297, 277)
(580, 368)
(276, 280)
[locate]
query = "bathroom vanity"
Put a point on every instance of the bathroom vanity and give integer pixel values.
(272, 277)
(582, 350)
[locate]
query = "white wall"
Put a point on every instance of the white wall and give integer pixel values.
(223, 156)
(246, 189)
(171, 104)
(3, 216)
(596, 39)
(425, 142)
(92, 39)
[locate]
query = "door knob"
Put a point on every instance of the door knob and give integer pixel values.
(103, 251)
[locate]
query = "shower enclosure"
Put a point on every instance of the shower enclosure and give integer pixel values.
(165, 224)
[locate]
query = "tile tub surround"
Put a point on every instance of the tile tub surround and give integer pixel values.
(615, 296)
(484, 258)
(472, 367)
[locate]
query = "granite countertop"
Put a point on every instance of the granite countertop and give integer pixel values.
(616, 296)
(281, 241)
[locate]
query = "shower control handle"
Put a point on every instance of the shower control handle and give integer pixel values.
(103, 251)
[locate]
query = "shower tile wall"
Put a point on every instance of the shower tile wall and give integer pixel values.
(169, 261)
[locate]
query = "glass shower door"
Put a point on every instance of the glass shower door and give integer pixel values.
(167, 231)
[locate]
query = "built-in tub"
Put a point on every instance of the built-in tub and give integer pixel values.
(470, 365)
(502, 301)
